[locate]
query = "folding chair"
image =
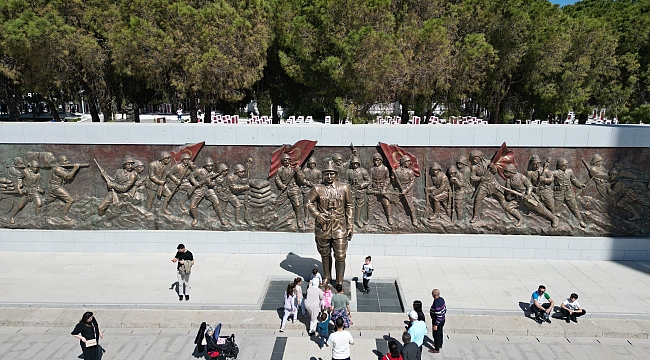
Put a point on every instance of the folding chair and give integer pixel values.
(301, 120)
(309, 120)
(328, 119)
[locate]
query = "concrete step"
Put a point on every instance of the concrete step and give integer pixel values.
(270, 320)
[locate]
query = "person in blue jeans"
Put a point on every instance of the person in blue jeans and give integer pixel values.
(541, 304)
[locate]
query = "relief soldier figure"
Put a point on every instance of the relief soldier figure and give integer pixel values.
(463, 169)
(458, 196)
(122, 182)
(28, 186)
(379, 187)
(224, 194)
(405, 181)
(138, 191)
(483, 173)
(521, 196)
(157, 182)
(312, 176)
(179, 175)
(598, 174)
(563, 192)
(287, 180)
(624, 196)
(438, 193)
(202, 184)
(239, 190)
(542, 179)
(341, 166)
(16, 171)
(359, 180)
(331, 204)
(56, 191)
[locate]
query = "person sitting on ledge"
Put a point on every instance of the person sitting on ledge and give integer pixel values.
(542, 304)
(571, 309)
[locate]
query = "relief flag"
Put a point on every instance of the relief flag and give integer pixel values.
(502, 158)
(393, 154)
(192, 149)
(298, 152)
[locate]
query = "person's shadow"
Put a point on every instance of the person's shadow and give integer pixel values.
(301, 266)
(174, 286)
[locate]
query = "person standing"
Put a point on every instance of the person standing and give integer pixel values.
(393, 352)
(87, 331)
(300, 300)
(417, 330)
(312, 304)
(541, 304)
(410, 350)
(437, 313)
(185, 261)
(341, 307)
(179, 113)
(340, 341)
(367, 270)
(289, 305)
(571, 309)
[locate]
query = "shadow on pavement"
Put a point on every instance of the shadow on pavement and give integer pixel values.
(301, 266)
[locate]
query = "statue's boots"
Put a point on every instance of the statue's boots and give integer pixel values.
(389, 214)
(217, 209)
(238, 218)
(299, 219)
(357, 217)
(65, 216)
(634, 212)
(436, 211)
(163, 208)
(195, 216)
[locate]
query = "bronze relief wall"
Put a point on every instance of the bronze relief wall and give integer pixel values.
(460, 190)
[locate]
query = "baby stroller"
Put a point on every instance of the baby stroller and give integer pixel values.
(221, 347)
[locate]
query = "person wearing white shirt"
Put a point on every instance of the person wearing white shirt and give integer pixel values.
(571, 309)
(340, 342)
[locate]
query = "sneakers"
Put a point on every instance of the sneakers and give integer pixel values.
(180, 297)
(281, 330)
(187, 297)
(548, 320)
(574, 319)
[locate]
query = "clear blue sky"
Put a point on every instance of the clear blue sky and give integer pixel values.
(563, 2)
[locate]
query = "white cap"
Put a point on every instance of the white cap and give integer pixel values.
(413, 314)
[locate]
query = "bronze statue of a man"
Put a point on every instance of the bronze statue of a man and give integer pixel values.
(202, 182)
(379, 186)
(122, 182)
(28, 186)
(359, 180)
(483, 173)
(563, 178)
(405, 181)
(598, 174)
(138, 191)
(438, 193)
(312, 176)
(542, 179)
(462, 164)
(59, 177)
(331, 204)
(288, 180)
(157, 182)
(523, 197)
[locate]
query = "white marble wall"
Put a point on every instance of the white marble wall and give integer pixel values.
(476, 246)
(328, 135)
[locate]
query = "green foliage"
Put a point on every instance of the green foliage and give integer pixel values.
(509, 58)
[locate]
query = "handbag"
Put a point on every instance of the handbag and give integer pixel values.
(91, 342)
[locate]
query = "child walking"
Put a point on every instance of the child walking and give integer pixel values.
(323, 327)
(289, 305)
(316, 279)
(300, 300)
(327, 298)
(367, 270)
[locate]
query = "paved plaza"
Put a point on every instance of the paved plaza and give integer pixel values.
(134, 299)
(162, 344)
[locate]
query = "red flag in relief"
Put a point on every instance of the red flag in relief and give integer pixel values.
(394, 153)
(502, 158)
(298, 152)
(191, 149)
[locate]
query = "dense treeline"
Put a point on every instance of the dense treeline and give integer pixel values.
(508, 58)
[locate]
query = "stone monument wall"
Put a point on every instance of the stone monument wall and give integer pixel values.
(595, 187)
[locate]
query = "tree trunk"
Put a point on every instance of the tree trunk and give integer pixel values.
(405, 111)
(274, 113)
(53, 110)
(207, 114)
(192, 107)
(136, 112)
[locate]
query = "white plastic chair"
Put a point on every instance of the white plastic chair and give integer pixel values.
(328, 119)
(300, 120)
(309, 120)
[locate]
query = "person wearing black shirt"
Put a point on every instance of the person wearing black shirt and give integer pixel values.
(183, 255)
(86, 330)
